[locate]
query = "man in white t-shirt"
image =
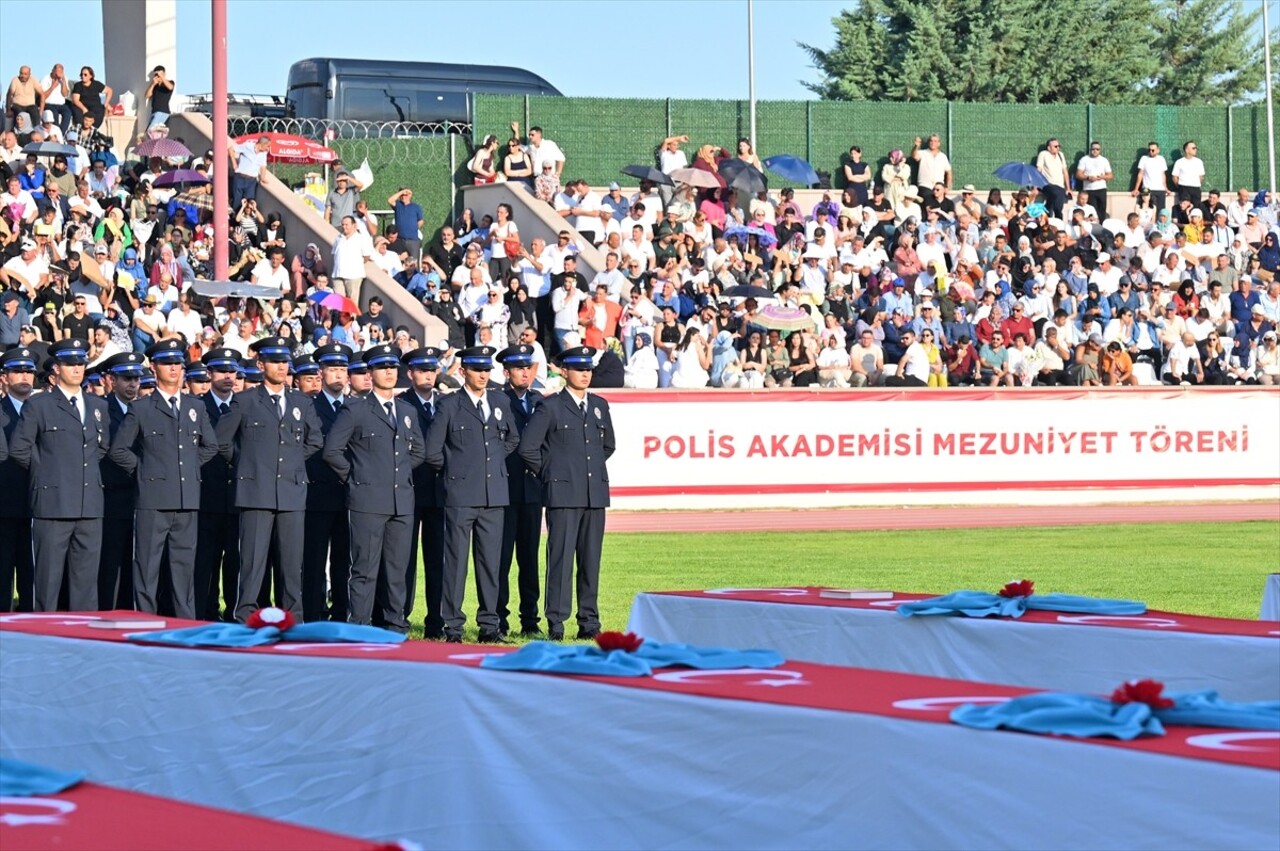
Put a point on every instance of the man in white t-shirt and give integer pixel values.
(933, 165)
(543, 150)
(532, 269)
(913, 366)
(611, 278)
(637, 247)
(1094, 170)
(670, 158)
(1106, 276)
(1188, 174)
(350, 250)
(1152, 171)
(270, 271)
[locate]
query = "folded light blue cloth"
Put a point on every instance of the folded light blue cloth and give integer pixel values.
(980, 604)
(1206, 709)
(20, 779)
(549, 657)
(239, 635)
(1065, 714)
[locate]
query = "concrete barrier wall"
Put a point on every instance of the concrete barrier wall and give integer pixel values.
(303, 226)
(534, 219)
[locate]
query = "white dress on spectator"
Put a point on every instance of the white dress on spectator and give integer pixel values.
(688, 373)
(641, 372)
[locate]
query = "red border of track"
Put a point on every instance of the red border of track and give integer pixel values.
(951, 517)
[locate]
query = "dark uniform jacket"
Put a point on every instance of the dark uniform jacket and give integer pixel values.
(62, 454)
(165, 451)
(119, 488)
(14, 480)
(269, 454)
(325, 491)
(374, 458)
(217, 493)
(428, 485)
(568, 452)
(470, 453)
(524, 484)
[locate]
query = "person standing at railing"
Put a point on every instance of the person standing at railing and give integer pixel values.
(249, 164)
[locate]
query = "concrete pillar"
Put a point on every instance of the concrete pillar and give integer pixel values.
(137, 35)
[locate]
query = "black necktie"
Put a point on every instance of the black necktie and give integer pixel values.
(223, 407)
(480, 408)
(173, 405)
(75, 407)
(277, 402)
(391, 413)
(583, 407)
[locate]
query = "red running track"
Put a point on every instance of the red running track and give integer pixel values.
(951, 517)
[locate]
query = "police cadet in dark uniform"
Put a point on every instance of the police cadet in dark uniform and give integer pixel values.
(468, 442)
(218, 526)
(522, 520)
(19, 366)
(197, 379)
(423, 367)
(164, 441)
(250, 374)
(267, 436)
(566, 443)
(61, 438)
(327, 533)
(373, 447)
(123, 374)
(358, 375)
(306, 375)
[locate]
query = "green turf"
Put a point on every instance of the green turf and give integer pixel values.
(1198, 568)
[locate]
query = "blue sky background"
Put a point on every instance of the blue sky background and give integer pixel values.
(607, 48)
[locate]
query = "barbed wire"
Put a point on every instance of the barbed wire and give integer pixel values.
(386, 143)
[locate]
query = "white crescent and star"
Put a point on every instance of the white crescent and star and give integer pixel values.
(764, 677)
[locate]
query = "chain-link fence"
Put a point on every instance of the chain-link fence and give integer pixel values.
(599, 135)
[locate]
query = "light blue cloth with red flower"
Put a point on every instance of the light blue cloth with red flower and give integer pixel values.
(980, 604)
(239, 635)
(1084, 715)
(20, 779)
(552, 658)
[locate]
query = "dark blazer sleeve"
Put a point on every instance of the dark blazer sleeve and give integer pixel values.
(512, 439)
(209, 447)
(4, 441)
(23, 447)
(226, 431)
(335, 445)
(530, 447)
(417, 446)
(610, 442)
(437, 431)
(314, 440)
(122, 454)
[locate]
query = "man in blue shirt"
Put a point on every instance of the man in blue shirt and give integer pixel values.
(408, 218)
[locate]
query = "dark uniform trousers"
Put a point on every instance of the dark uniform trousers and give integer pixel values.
(471, 453)
(568, 449)
(326, 547)
(120, 499)
(427, 529)
(217, 531)
(521, 527)
(165, 449)
(374, 455)
(268, 452)
(62, 454)
(15, 522)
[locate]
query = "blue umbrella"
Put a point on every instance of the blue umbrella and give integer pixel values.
(1021, 174)
(792, 168)
(767, 240)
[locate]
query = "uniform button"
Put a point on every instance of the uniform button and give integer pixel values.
(588, 475)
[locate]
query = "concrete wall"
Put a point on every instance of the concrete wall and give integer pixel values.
(533, 217)
(303, 226)
(137, 35)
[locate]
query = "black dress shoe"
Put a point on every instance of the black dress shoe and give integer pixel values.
(452, 639)
(530, 633)
(492, 638)
(587, 634)
(555, 635)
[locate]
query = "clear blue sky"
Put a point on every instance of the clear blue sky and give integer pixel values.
(614, 48)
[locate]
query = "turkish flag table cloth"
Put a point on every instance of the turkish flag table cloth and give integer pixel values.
(416, 741)
(1045, 650)
(91, 817)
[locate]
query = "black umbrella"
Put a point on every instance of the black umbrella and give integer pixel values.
(649, 173)
(743, 176)
(50, 149)
(748, 291)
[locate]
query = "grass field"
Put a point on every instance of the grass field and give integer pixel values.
(1198, 568)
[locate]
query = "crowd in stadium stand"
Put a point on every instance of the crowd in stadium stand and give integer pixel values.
(898, 278)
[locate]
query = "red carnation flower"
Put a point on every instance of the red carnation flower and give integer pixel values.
(270, 616)
(1025, 588)
(1142, 691)
(625, 641)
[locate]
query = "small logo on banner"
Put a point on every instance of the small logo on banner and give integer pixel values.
(355, 646)
(1227, 741)
(938, 704)
(18, 812)
(764, 677)
(1155, 623)
(772, 592)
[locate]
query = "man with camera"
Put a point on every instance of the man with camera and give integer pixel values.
(157, 96)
